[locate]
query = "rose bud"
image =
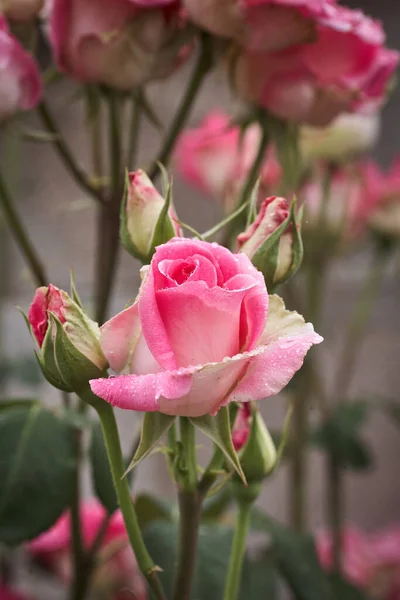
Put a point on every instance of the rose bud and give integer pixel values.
(347, 136)
(147, 219)
(115, 569)
(69, 342)
(257, 452)
(120, 44)
(382, 191)
(20, 85)
(202, 333)
(21, 11)
(273, 241)
(345, 69)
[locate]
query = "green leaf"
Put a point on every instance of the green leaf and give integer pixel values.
(102, 478)
(149, 509)
(218, 429)
(340, 437)
(154, 426)
(7, 403)
(216, 506)
(36, 472)
(343, 590)
(296, 559)
(214, 548)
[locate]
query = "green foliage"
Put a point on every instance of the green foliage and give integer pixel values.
(36, 471)
(340, 437)
(102, 478)
(23, 370)
(258, 581)
(149, 509)
(344, 590)
(296, 559)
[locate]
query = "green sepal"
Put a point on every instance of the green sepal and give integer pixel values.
(124, 235)
(164, 229)
(75, 368)
(74, 294)
(48, 364)
(154, 426)
(266, 257)
(218, 429)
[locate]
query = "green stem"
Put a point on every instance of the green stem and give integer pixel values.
(108, 227)
(232, 586)
(117, 466)
(251, 180)
(21, 235)
(357, 324)
(134, 133)
(188, 439)
(334, 502)
(189, 511)
(203, 65)
(65, 154)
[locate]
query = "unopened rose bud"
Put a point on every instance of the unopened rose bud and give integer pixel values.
(147, 219)
(256, 449)
(21, 11)
(70, 352)
(273, 241)
(347, 136)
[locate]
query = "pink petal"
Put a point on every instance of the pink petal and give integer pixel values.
(119, 337)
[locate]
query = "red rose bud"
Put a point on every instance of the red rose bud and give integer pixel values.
(70, 352)
(273, 241)
(147, 219)
(257, 452)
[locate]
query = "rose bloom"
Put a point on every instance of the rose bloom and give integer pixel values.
(203, 332)
(371, 562)
(348, 207)
(216, 158)
(383, 191)
(267, 25)
(117, 569)
(345, 69)
(121, 44)
(20, 85)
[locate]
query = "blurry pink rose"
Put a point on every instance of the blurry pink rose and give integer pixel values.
(267, 25)
(20, 85)
(383, 192)
(348, 208)
(371, 562)
(121, 43)
(7, 594)
(356, 551)
(203, 332)
(216, 158)
(21, 10)
(117, 568)
(345, 69)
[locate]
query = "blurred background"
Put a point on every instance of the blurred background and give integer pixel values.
(62, 223)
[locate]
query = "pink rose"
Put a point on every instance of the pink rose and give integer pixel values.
(21, 10)
(20, 85)
(8, 594)
(267, 25)
(202, 333)
(357, 555)
(348, 209)
(120, 43)
(242, 426)
(117, 566)
(216, 158)
(345, 69)
(46, 300)
(382, 191)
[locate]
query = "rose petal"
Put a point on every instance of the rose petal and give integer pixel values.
(119, 337)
